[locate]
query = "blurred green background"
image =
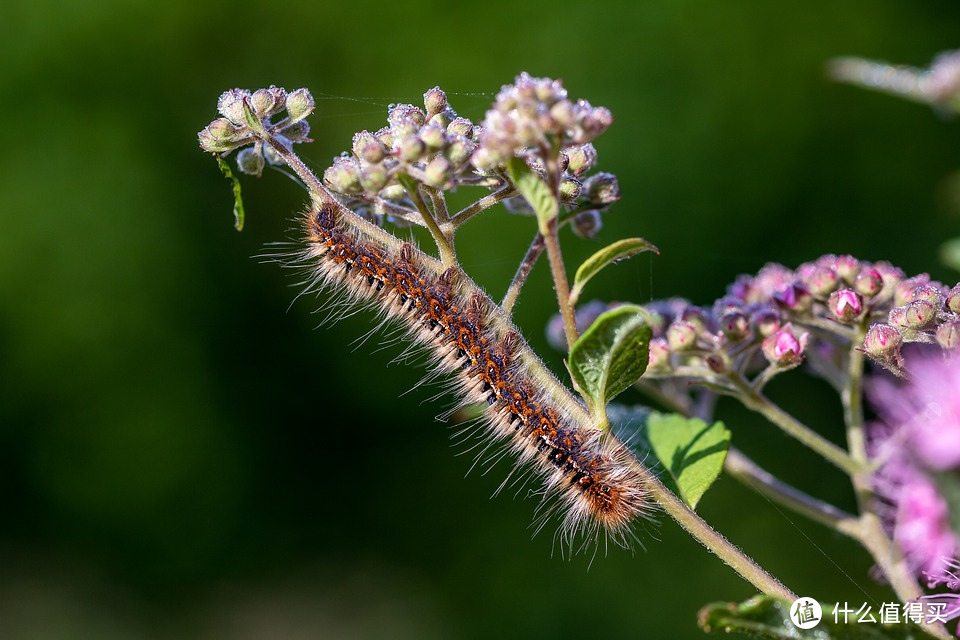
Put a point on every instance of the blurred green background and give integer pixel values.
(182, 456)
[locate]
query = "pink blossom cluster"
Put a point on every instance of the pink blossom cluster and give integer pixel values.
(916, 445)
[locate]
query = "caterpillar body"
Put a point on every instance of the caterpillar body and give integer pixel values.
(590, 478)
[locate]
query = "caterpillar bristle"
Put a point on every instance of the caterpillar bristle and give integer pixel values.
(589, 477)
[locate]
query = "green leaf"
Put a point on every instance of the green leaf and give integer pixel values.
(690, 450)
(535, 190)
(610, 356)
(238, 214)
(766, 617)
(610, 254)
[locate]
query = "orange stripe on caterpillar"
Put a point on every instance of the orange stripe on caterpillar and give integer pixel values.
(587, 470)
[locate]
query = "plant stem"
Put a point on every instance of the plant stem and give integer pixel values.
(756, 401)
(852, 398)
(397, 211)
(439, 204)
(748, 472)
(693, 524)
(444, 244)
(487, 201)
(887, 554)
(523, 271)
(744, 469)
(560, 282)
(312, 182)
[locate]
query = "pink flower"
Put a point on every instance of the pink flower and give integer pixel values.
(784, 348)
(919, 435)
(922, 526)
(927, 410)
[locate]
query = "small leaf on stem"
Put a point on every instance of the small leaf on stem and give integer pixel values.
(536, 192)
(238, 214)
(766, 617)
(610, 356)
(611, 254)
(690, 450)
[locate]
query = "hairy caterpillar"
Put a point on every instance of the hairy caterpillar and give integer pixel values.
(587, 473)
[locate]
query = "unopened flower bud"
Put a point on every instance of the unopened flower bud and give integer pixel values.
(882, 341)
(393, 192)
(268, 102)
(434, 136)
(659, 355)
(230, 106)
(385, 136)
(343, 176)
(821, 281)
(716, 363)
(695, 316)
(727, 304)
(435, 101)
(953, 299)
(373, 177)
(569, 189)
(400, 113)
(484, 160)
(735, 325)
(766, 321)
(897, 317)
(443, 119)
(372, 153)
(586, 224)
(367, 148)
(597, 120)
(299, 104)
(221, 135)
(848, 268)
(681, 336)
(580, 159)
(846, 305)
(462, 126)
(920, 314)
(601, 188)
(869, 283)
(437, 172)
(250, 161)
(892, 276)
(563, 114)
(948, 334)
(904, 290)
(796, 298)
(783, 349)
(459, 150)
(929, 292)
(411, 148)
(297, 132)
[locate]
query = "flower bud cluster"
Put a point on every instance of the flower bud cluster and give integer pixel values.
(247, 119)
(432, 144)
(436, 147)
(779, 317)
(534, 114)
(846, 291)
